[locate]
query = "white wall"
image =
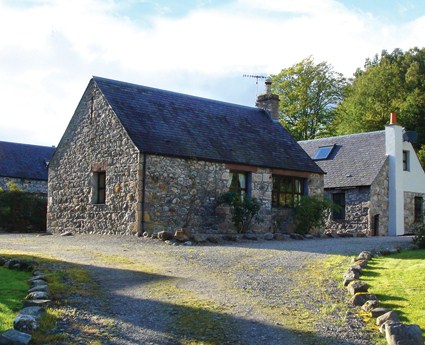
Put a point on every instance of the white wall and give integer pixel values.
(400, 181)
(414, 179)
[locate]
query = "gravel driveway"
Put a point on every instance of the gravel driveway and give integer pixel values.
(265, 292)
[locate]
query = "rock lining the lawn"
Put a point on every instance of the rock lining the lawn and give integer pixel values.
(396, 332)
(35, 302)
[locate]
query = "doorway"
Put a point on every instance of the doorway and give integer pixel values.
(375, 225)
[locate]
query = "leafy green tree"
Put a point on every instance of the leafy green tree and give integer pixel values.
(308, 95)
(390, 82)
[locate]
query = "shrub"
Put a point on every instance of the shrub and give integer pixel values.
(244, 210)
(20, 211)
(419, 238)
(311, 213)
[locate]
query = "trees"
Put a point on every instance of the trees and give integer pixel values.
(308, 96)
(390, 82)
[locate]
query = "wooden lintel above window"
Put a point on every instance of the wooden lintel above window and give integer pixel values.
(293, 173)
(241, 167)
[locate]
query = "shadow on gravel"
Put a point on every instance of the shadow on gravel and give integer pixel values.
(143, 320)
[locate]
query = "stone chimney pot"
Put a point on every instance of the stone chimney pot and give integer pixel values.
(269, 102)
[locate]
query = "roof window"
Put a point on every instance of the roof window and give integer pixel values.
(323, 152)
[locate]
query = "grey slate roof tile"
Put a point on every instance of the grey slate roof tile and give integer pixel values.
(173, 124)
(24, 161)
(355, 161)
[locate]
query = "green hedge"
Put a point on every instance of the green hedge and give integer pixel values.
(22, 212)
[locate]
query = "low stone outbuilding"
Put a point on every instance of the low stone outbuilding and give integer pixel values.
(25, 165)
(375, 177)
(136, 159)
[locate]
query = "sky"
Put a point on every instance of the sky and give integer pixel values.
(50, 49)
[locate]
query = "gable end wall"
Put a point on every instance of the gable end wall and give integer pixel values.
(94, 138)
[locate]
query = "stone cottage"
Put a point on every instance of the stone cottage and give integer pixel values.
(25, 165)
(374, 177)
(136, 159)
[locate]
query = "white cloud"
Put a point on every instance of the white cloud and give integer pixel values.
(51, 49)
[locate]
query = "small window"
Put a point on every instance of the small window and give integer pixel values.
(419, 211)
(339, 200)
(406, 161)
(238, 183)
(287, 191)
(323, 152)
(100, 187)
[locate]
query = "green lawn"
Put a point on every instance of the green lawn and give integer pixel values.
(399, 283)
(13, 287)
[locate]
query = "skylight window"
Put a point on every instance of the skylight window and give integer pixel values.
(323, 152)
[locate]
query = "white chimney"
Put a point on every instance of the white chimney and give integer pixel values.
(394, 151)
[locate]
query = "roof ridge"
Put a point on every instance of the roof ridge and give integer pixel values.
(35, 145)
(155, 89)
(343, 136)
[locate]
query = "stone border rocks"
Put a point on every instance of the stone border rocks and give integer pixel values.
(183, 236)
(34, 305)
(396, 333)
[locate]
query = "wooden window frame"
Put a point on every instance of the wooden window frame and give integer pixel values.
(238, 190)
(100, 187)
(279, 198)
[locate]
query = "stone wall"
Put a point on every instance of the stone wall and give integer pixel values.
(178, 192)
(379, 201)
(356, 211)
(30, 186)
(94, 139)
(182, 193)
(409, 209)
(362, 204)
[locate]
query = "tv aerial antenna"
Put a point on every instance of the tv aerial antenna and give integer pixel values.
(257, 77)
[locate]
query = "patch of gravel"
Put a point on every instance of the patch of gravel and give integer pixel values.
(266, 291)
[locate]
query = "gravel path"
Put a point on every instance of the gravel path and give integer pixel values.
(271, 292)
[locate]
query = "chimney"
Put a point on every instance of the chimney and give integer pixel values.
(393, 118)
(394, 152)
(269, 102)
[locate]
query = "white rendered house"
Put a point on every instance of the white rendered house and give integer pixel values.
(374, 177)
(406, 179)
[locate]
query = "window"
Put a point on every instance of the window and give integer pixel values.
(287, 191)
(323, 152)
(419, 211)
(238, 183)
(406, 161)
(100, 187)
(339, 200)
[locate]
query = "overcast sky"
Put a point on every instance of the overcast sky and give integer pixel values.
(49, 49)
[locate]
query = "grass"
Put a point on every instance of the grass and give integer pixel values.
(398, 282)
(13, 287)
(64, 281)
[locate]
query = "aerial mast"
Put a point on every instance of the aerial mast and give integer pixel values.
(257, 77)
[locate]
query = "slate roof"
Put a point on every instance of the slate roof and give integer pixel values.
(173, 124)
(355, 160)
(24, 161)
